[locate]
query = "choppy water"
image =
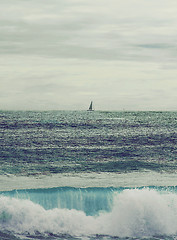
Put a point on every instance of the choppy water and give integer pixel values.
(88, 175)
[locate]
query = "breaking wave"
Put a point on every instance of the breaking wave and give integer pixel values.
(126, 213)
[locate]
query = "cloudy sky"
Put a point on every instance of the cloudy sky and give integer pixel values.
(61, 54)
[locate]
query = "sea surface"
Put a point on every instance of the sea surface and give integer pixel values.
(88, 175)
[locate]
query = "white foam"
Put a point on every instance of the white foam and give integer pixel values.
(138, 213)
(133, 179)
(135, 213)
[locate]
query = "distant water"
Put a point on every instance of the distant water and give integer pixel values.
(88, 175)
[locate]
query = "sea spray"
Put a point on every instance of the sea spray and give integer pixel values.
(139, 213)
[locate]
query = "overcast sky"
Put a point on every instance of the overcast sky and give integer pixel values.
(61, 54)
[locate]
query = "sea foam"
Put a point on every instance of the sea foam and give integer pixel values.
(134, 213)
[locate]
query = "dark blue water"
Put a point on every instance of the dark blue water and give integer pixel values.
(63, 148)
(57, 142)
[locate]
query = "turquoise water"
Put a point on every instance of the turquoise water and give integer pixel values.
(88, 175)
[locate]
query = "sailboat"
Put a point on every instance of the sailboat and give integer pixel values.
(91, 107)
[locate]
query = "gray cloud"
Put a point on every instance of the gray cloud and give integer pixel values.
(90, 30)
(119, 52)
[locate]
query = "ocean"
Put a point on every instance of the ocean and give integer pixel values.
(88, 175)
